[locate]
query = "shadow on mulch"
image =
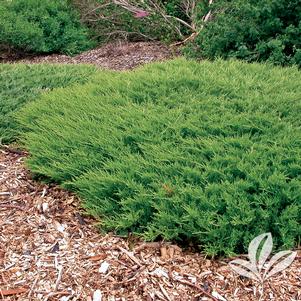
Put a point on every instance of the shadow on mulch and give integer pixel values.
(116, 56)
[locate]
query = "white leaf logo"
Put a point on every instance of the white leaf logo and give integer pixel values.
(280, 261)
(245, 268)
(264, 253)
(259, 251)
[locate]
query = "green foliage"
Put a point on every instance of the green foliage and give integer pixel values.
(251, 30)
(20, 84)
(202, 152)
(42, 26)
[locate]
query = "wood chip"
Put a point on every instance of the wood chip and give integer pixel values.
(13, 291)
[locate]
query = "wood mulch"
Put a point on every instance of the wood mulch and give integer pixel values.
(116, 56)
(49, 250)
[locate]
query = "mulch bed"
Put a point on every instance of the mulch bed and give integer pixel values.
(50, 251)
(116, 56)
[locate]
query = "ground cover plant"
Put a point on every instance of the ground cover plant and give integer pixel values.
(20, 83)
(208, 153)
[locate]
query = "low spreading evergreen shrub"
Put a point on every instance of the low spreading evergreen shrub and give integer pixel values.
(208, 153)
(21, 83)
(42, 26)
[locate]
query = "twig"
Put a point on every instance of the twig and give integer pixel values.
(44, 192)
(191, 37)
(133, 258)
(4, 193)
(59, 278)
(96, 8)
(64, 293)
(206, 18)
(196, 287)
(33, 286)
(8, 206)
(164, 292)
(153, 245)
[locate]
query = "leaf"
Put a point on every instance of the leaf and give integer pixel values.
(279, 265)
(265, 251)
(247, 269)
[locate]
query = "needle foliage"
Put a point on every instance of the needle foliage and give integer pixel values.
(20, 83)
(208, 153)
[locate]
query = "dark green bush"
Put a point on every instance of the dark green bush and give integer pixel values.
(261, 30)
(208, 153)
(42, 26)
(20, 84)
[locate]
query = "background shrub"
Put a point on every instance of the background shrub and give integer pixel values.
(20, 84)
(208, 153)
(42, 26)
(251, 30)
(110, 21)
